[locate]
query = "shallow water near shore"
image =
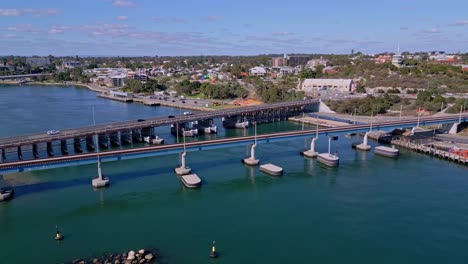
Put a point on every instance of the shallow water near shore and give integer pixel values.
(370, 209)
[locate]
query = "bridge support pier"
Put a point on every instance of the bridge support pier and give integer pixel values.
(20, 153)
(50, 149)
(103, 141)
(115, 139)
(136, 135)
(35, 151)
(147, 131)
(126, 137)
(90, 144)
(77, 145)
(63, 146)
(2, 156)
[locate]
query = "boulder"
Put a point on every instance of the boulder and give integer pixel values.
(141, 251)
(149, 257)
(131, 255)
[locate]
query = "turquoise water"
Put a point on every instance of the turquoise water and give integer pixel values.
(369, 210)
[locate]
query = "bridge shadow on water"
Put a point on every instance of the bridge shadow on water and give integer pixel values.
(115, 178)
(243, 178)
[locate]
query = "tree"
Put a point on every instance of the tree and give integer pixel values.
(62, 77)
(132, 85)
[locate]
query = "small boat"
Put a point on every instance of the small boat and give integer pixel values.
(6, 194)
(184, 130)
(243, 124)
(154, 140)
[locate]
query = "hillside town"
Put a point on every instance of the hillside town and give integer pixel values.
(263, 78)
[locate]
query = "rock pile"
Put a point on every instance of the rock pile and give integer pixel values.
(131, 257)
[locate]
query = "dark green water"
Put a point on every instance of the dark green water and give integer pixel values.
(369, 210)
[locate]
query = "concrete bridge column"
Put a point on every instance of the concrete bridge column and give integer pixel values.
(126, 137)
(77, 145)
(454, 129)
(63, 146)
(50, 149)
(90, 146)
(35, 151)
(103, 141)
(136, 135)
(147, 131)
(115, 139)
(2, 156)
(20, 153)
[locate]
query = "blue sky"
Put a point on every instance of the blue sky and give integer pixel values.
(241, 27)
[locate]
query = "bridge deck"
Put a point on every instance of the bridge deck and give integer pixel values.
(17, 141)
(148, 151)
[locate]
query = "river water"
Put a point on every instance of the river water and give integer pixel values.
(371, 209)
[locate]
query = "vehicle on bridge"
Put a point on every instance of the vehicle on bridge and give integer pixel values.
(53, 132)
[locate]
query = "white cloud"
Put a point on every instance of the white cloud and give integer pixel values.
(123, 3)
(26, 11)
(122, 18)
(104, 29)
(176, 20)
(58, 29)
(460, 23)
(213, 18)
(9, 12)
(431, 30)
(23, 28)
(281, 34)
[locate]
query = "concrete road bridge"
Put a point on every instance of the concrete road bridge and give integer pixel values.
(148, 151)
(22, 76)
(128, 132)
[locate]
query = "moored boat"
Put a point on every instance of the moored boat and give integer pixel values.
(6, 194)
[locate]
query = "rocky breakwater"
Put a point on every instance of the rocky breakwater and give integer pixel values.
(131, 257)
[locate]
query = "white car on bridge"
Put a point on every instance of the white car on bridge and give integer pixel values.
(53, 132)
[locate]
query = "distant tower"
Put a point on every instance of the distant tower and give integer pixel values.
(285, 55)
(352, 52)
(397, 59)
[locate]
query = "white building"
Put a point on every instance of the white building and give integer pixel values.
(71, 64)
(397, 59)
(334, 85)
(258, 71)
(118, 81)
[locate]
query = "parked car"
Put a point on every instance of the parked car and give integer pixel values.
(53, 132)
(171, 116)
